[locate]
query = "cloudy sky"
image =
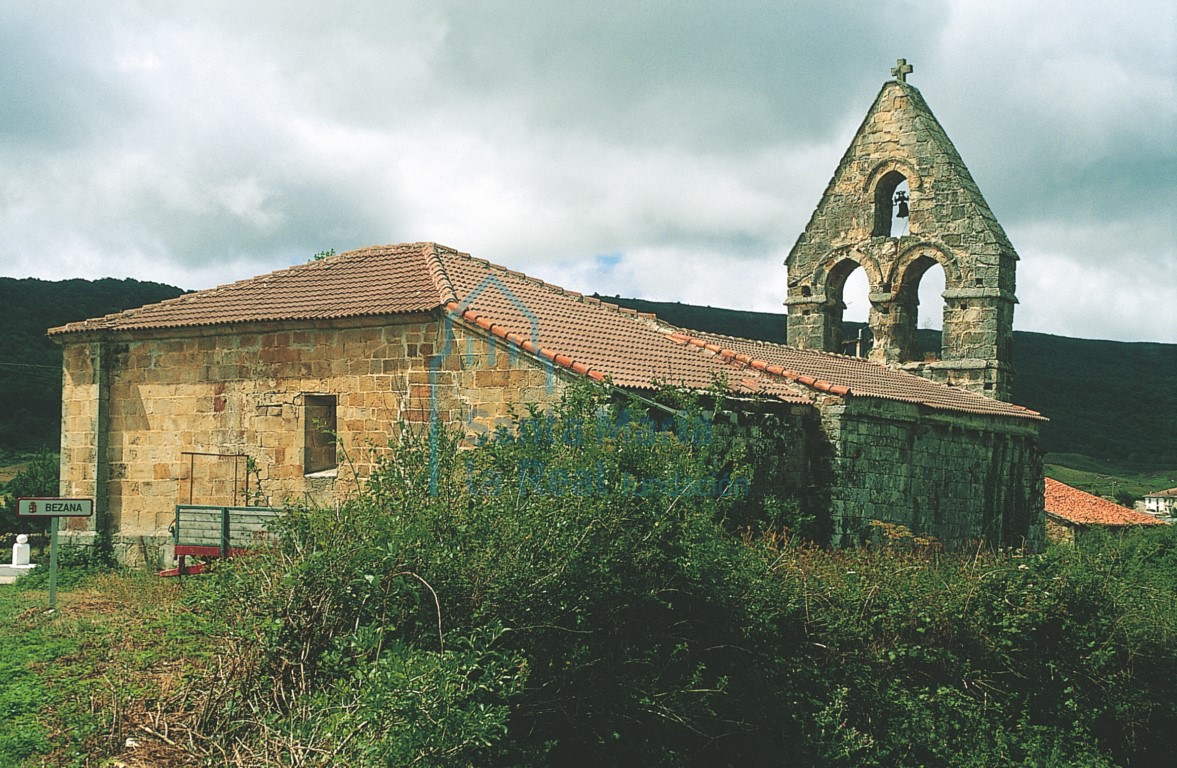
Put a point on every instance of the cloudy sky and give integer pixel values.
(665, 150)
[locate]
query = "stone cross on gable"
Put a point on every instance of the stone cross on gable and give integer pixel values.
(901, 70)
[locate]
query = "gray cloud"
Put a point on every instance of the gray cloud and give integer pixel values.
(661, 149)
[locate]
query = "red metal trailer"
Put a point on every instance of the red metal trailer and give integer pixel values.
(216, 531)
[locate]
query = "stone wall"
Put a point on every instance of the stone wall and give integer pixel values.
(961, 479)
(1058, 532)
(787, 453)
(216, 417)
(212, 417)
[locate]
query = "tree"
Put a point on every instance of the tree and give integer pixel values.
(42, 477)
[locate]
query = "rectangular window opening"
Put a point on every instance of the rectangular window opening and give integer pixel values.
(319, 431)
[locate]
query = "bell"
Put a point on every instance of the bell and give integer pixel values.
(901, 204)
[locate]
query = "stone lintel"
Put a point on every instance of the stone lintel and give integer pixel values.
(965, 364)
(814, 302)
(980, 293)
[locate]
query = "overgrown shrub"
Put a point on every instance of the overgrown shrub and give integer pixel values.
(1061, 659)
(578, 561)
(570, 593)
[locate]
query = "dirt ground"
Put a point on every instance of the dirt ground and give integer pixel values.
(11, 471)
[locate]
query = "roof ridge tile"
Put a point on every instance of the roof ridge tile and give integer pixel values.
(577, 295)
(564, 361)
(436, 266)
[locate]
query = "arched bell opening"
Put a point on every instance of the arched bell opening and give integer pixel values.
(931, 310)
(892, 199)
(919, 305)
(848, 290)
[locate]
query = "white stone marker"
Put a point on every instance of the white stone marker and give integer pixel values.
(20, 565)
(20, 551)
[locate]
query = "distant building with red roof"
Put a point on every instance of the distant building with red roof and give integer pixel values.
(1070, 511)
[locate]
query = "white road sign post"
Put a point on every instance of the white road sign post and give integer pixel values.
(54, 509)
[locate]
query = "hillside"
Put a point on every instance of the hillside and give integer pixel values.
(30, 364)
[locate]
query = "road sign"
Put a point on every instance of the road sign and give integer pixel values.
(54, 509)
(38, 507)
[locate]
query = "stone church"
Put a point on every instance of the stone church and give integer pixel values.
(285, 386)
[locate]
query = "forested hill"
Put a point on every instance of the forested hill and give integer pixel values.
(1110, 400)
(30, 364)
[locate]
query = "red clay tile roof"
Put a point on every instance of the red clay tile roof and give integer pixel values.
(591, 337)
(1081, 508)
(1162, 494)
(579, 333)
(840, 375)
(373, 281)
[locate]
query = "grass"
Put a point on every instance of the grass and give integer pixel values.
(114, 662)
(124, 657)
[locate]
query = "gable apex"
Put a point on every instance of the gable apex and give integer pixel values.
(902, 172)
(900, 133)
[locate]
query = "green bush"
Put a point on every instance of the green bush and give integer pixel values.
(42, 477)
(1061, 659)
(75, 565)
(579, 562)
(571, 592)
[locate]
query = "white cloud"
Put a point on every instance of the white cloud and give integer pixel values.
(198, 143)
(1063, 298)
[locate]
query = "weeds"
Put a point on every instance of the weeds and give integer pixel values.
(586, 623)
(889, 655)
(117, 660)
(566, 602)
